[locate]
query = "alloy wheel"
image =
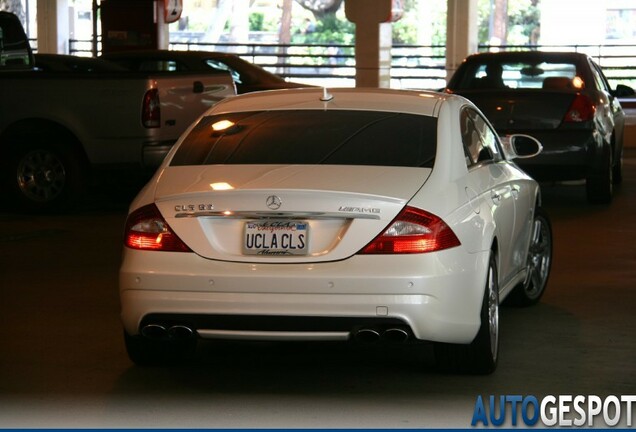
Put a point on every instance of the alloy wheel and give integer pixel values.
(539, 259)
(41, 175)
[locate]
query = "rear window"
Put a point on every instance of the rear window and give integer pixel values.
(311, 137)
(519, 75)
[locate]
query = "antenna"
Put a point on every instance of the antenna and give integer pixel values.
(326, 96)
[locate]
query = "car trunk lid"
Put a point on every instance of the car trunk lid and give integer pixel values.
(522, 110)
(283, 213)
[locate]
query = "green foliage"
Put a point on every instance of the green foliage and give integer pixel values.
(438, 36)
(523, 21)
(404, 32)
(256, 21)
(484, 11)
(328, 29)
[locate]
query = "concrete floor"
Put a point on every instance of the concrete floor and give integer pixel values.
(63, 364)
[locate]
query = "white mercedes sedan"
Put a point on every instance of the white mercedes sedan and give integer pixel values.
(363, 215)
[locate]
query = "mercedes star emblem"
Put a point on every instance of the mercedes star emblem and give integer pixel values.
(273, 202)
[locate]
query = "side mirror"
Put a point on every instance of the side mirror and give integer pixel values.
(623, 91)
(15, 51)
(520, 146)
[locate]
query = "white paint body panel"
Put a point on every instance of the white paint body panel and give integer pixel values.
(438, 295)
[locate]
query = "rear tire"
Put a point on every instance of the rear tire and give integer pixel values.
(599, 183)
(149, 352)
(617, 170)
(481, 355)
(539, 263)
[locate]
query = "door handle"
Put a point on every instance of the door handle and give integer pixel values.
(498, 194)
(515, 191)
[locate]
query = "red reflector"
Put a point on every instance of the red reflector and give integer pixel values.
(151, 109)
(147, 230)
(413, 231)
(581, 110)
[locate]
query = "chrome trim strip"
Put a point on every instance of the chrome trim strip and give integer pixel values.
(275, 215)
(272, 335)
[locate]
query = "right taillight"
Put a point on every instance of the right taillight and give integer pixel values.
(146, 229)
(151, 109)
(413, 231)
(582, 109)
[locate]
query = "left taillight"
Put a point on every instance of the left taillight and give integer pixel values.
(146, 229)
(151, 109)
(413, 231)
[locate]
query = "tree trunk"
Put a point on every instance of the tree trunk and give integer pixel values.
(219, 18)
(284, 32)
(500, 24)
(240, 27)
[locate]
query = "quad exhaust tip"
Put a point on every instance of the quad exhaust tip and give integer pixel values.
(367, 335)
(180, 332)
(158, 331)
(393, 334)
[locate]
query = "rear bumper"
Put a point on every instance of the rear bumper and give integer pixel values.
(437, 297)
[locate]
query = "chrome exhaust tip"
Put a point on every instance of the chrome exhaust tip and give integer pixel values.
(180, 332)
(154, 331)
(395, 335)
(367, 335)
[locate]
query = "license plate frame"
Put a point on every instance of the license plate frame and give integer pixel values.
(278, 237)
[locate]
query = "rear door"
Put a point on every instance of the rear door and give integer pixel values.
(490, 178)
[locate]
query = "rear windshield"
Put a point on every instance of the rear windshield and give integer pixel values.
(311, 137)
(518, 75)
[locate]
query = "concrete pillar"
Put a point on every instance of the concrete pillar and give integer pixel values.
(53, 26)
(461, 32)
(163, 31)
(629, 134)
(373, 41)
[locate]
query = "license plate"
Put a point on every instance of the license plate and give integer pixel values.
(276, 237)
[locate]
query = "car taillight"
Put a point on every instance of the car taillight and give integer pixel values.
(581, 110)
(151, 109)
(413, 231)
(147, 230)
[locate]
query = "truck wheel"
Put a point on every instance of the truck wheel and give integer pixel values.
(480, 356)
(44, 176)
(599, 183)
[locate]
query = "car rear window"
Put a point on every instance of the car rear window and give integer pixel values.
(336, 137)
(518, 75)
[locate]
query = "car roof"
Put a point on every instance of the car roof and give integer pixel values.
(364, 99)
(167, 54)
(530, 56)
